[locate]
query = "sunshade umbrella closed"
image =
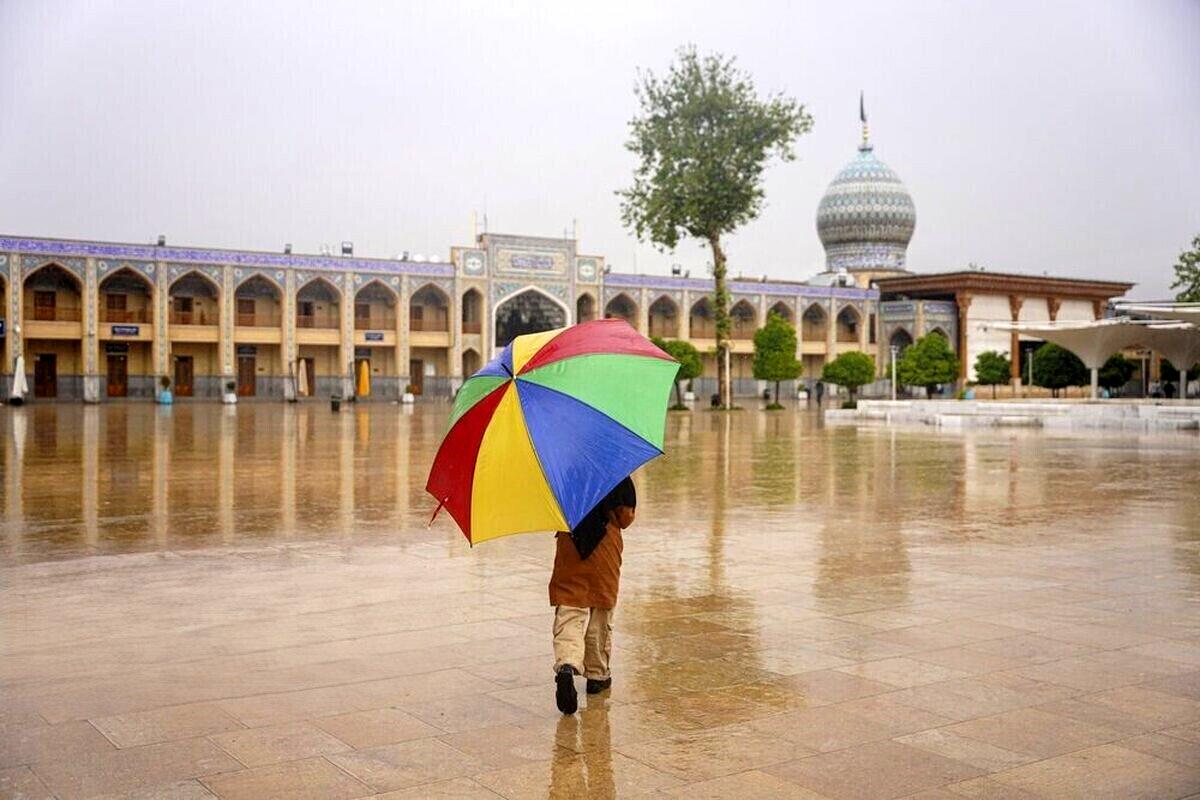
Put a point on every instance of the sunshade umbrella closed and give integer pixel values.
(363, 389)
(544, 431)
(20, 386)
(301, 377)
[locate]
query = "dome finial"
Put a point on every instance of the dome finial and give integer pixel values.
(862, 115)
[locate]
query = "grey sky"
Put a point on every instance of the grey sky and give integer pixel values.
(1033, 136)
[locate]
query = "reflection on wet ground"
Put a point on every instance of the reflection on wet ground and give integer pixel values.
(247, 603)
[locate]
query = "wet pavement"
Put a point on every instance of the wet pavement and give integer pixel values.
(246, 603)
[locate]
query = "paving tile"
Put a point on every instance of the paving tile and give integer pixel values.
(750, 785)
(165, 724)
(423, 687)
(19, 783)
(1185, 652)
(399, 766)
(1101, 637)
(45, 742)
(1031, 648)
(1167, 747)
(1036, 732)
(176, 790)
(1154, 709)
(1189, 732)
(456, 789)
(456, 714)
(823, 687)
(133, 768)
(971, 662)
(502, 746)
(945, 742)
(272, 744)
(1103, 773)
(379, 726)
(601, 773)
(988, 789)
(713, 753)
(902, 672)
(874, 771)
(310, 779)
(823, 728)
(271, 709)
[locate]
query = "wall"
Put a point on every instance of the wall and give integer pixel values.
(985, 309)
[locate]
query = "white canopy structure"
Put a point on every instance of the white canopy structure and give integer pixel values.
(1183, 312)
(1095, 341)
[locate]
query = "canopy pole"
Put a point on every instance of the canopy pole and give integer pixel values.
(436, 511)
(1095, 382)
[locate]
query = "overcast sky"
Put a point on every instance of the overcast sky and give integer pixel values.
(1034, 136)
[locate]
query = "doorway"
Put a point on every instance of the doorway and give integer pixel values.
(45, 375)
(246, 376)
(44, 304)
(118, 375)
(183, 375)
(416, 375)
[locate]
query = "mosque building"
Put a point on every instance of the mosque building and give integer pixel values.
(95, 320)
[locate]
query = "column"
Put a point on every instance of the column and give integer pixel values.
(1098, 309)
(228, 319)
(1014, 345)
(864, 321)
(10, 269)
(964, 305)
(347, 338)
(162, 319)
(90, 344)
(918, 319)
(456, 334)
(643, 318)
(831, 330)
(403, 348)
(287, 350)
(1052, 306)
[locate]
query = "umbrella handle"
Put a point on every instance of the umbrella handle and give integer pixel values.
(436, 511)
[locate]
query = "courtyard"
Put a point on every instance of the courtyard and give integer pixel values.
(246, 602)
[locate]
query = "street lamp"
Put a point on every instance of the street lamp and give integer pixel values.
(895, 352)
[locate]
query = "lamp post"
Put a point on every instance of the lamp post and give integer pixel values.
(895, 352)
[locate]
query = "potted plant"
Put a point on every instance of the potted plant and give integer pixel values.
(409, 396)
(164, 395)
(230, 395)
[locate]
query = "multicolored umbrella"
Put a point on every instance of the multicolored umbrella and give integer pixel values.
(543, 432)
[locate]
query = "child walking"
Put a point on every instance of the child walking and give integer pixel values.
(583, 591)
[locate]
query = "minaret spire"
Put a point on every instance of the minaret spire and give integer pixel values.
(862, 115)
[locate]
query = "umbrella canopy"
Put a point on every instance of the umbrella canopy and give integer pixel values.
(20, 386)
(301, 377)
(544, 431)
(363, 384)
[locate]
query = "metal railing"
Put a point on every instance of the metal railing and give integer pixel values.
(258, 320)
(375, 323)
(194, 317)
(316, 321)
(53, 314)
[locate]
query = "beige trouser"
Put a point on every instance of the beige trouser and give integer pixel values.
(583, 640)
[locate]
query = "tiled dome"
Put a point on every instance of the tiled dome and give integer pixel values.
(866, 218)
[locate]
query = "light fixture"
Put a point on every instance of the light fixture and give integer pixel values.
(287, 249)
(162, 240)
(347, 248)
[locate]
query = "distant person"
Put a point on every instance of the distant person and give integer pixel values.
(1169, 390)
(820, 392)
(583, 591)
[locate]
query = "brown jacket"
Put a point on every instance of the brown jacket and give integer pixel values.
(590, 583)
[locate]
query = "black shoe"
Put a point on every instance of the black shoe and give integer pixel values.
(598, 686)
(564, 695)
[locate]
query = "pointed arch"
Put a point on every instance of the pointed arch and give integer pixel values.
(472, 362)
(259, 279)
(193, 275)
(784, 310)
(901, 339)
(814, 322)
(429, 309)
(52, 293)
(701, 320)
(664, 317)
(530, 309)
(622, 306)
(849, 320)
(744, 319)
(258, 301)
(940, 332)
(375, 306)
(195, 299)
(472, 312)
(585, 307)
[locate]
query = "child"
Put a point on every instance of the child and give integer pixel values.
(583, 591)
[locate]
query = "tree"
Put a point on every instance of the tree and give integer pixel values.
(992, 369)
(775, 353)
(1116, 372)
(1187, 274)
(929, 362)
(852, 370)
(1168, 372)
(690, 363)
(703, 139)
(1056, 368)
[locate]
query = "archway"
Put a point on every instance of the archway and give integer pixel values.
(374, 308)
(664, 318)
(52, 296)
(318, 305)
(471, 362)
(901, 340)
(125, 297)
(472, 314)
(258, 303)
(195, 358)
(701, 324)
(195, 300)
(585, 308)
(941, 333)
(814, 324)
(784, 311)
(743, 316)
(622, 307)
(847, 325)
(530, 311)
(429, 310)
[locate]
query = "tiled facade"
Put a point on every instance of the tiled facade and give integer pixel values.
(95, 320)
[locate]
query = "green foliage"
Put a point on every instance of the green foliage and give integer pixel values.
(1116, 372)
(1169, 373)
(775, 352)
(1056, 368)
(703, 138)
(691, 365)
(1187, 274)
(992, 369)
(930, 361)
(852, 370)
